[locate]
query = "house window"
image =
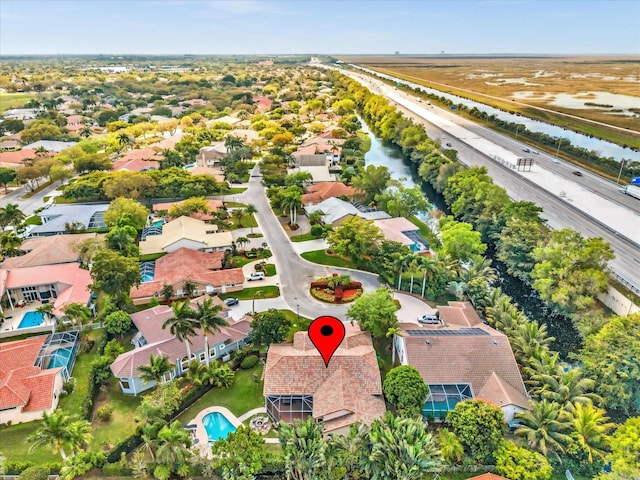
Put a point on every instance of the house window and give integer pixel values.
(166, 377)
(202, 357)
(221, 346)
(212, 352)
(125, 384)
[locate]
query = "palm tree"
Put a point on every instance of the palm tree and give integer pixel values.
(303, 448)
(544, 427)
(59, 430)
(11, 215)
(350, 450)
(591, 424)
(124, 140)
(9, 243)
(242, 241)
(41, 151)
(529, 336)
(219, 375)
(45, 309)
(182, 324)
(195, 372)
(210, 321)
(173, 446)
(402, 449)
(568, 389)
(238, 214)
(450, 447)
(391, 333)
(458, 288)
(250, 210)
(158, 367)
(85, 132)
(233, 143)
(78, 313)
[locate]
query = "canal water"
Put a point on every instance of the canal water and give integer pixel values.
(604, 148)
(567, 339)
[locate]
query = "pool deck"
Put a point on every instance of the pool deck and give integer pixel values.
(200, 434)
(14, 317)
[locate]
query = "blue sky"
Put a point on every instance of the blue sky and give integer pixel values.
(310, 26)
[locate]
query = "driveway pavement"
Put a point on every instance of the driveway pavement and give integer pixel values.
(412, 307)
(294, 272)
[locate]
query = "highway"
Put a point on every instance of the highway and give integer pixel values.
(570, 205)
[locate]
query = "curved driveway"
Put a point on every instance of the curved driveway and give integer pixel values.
(294, 272)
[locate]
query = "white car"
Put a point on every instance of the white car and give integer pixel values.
(255, 276)
(429, 319)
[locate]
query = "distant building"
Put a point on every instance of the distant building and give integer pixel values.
(184, 232)
(49, 250)
(337, 211)
(50, 145)
(401, 230)
(59, 219)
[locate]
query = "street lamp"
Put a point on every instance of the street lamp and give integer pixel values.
(298, 313)
(620, 172)
(558, 149)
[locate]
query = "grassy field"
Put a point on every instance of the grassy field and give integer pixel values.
(268, 291)
(303, 237)
(321, 257)
(242, 396)
(14, 100)
(503, 83)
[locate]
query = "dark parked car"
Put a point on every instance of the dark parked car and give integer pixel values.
(577, 173)
(229, 302)
(236, 181)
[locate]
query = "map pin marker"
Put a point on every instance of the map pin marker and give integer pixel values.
(327, 334)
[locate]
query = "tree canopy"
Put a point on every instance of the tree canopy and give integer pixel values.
(405, 389)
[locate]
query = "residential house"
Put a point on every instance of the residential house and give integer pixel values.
(212, 204)
(49, 250)
(139, 160)
(59, 284)
(16, 158)
(184, 232)
(210, 156)
(246, 135)
(30, 379)
(203, 271)
(50, 145)
(319, 192)
(337, 211)
(263, 103)
(229, 120)
(21, 113)
(152, 339)
(59, 219)
(9, 145)
(297, 384)
(401, 230)
(460, 358)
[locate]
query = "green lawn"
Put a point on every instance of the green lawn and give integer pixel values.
(14, 100)
(268, 291)
(71, 403)
(122, 423)
(33, 220)
(321, 257)
(234, 205)
(15, 446)
(270, 269)
(242, 396)
(303, 237)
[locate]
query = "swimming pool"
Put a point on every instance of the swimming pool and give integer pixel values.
(31, 319)
(157, 223)
(60, 357)
(217, 426)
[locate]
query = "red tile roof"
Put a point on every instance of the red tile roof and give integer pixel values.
(17, 157)
(186, 264)
(161, 342)
(481, 356)
(21, 383)
(213, 205)
(71, 280)
(48, 250)
(350, 384)
(318, 192)
(488, 476)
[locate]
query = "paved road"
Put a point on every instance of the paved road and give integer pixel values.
(294, 272)
(29, 205)
(559, 213)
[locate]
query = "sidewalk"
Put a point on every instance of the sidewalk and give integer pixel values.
(310, 245)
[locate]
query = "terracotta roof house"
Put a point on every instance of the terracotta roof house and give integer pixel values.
(212, 204)
(264, 103)
(318, 192)
(55, 219)
(139, 160)
(28, 387)
(14, 159)
(244, 134)
(337, 211)
(184, 232)
(401, 230)
(210, 156)
(202, 270)
(152, 339)
(59, 284)
(298, 385)
(461, 358)
(49, 250)
(10, 144)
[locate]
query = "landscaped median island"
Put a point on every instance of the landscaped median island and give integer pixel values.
(336, 289)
